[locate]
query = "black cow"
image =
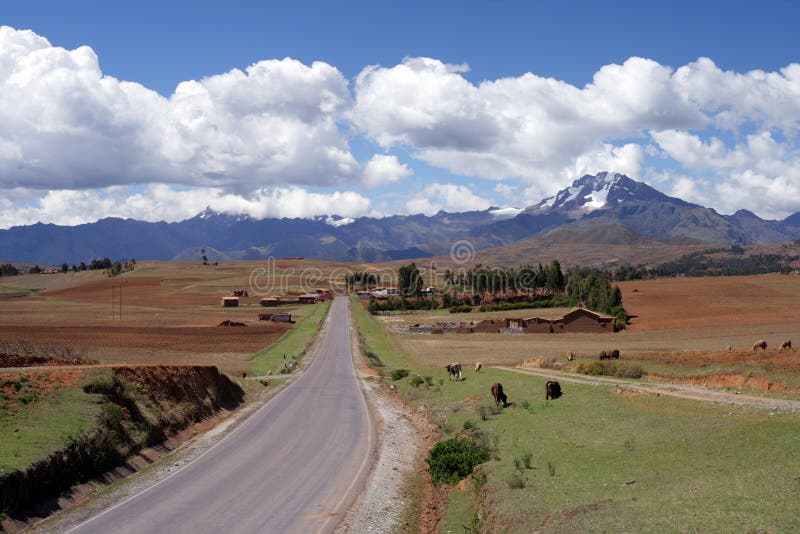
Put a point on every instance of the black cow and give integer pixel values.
(552, 390)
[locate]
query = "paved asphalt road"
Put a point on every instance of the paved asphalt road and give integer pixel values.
(295, 465)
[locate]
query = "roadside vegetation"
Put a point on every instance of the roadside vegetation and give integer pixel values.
(292, 344)
(598, 460)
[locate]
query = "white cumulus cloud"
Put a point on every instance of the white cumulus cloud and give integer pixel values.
(448, 197)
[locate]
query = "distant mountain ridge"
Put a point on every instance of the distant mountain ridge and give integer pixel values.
(601, 200)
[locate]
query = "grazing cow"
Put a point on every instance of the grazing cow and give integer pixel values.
(760, 344)
(609, 354)
(454, 370)
(730, 348)
(478, 366)
(244, 375)
(570, 356)
(614, 354)
(786, 344)
(552, 390)
(603, 355)
(499, 396)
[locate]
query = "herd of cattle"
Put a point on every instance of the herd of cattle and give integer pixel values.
(552, 388)
(761, 344)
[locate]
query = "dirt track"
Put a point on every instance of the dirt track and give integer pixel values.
(683, 391)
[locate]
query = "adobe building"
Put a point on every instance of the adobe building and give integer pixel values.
(229, 302)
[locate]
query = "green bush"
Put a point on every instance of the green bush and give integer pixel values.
(461, 309)
(607, 368)
(417, 381)
(399, 374)
(452, 459)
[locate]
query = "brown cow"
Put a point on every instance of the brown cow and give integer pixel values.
(609, 354)
(570, 356)
(499, 396)
(760, 344)
(454, 370)
(786, 344)
(552, 390)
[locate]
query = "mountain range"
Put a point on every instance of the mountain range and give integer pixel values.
(602, 200)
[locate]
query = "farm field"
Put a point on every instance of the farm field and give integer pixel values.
(600, 458)
(170, 313)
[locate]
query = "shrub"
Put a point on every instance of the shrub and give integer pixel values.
(417, 381)
(429, 381)
(622, 370)
(461, 309)
(516, 481)
(524, 460)
(494, 409)
(399, 374)
(483, 411)
(469, 424)
(452, 459)
(526, 404)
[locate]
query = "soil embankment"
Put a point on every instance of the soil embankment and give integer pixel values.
(140, 407)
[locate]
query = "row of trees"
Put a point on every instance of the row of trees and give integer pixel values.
(536, 286)
(112, 268)
(7, 269)
(524, 280)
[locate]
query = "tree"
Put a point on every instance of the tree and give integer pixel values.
(64, 268)
(203, 256)
(8, 270)
(410, 281)
(35, 269)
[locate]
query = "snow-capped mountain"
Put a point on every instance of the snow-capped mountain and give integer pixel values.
(603, 190)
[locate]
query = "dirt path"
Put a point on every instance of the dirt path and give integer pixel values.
(684, 391)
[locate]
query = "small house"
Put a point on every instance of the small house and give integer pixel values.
(282, 318)
(229, 302)
(586, 321)
(271, 301)
(308, 298)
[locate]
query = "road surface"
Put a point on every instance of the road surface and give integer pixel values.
(295, 465)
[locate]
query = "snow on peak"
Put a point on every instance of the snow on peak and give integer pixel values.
(505, 213)
(596, 199)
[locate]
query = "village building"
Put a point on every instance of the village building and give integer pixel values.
(271, 301)
(308, 298)
(384, 292)
(282, 318)
(229, 302)
(579, 320)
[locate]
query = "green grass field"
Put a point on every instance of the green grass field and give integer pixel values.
(293, 343)
(32, 429)
(609, 463)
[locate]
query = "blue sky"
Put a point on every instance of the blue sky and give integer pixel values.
(706, 154)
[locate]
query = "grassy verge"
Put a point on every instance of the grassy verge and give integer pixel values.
(44, 421)
(601, 461)
(293, 343)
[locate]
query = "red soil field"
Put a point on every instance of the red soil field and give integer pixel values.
(679, 303)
